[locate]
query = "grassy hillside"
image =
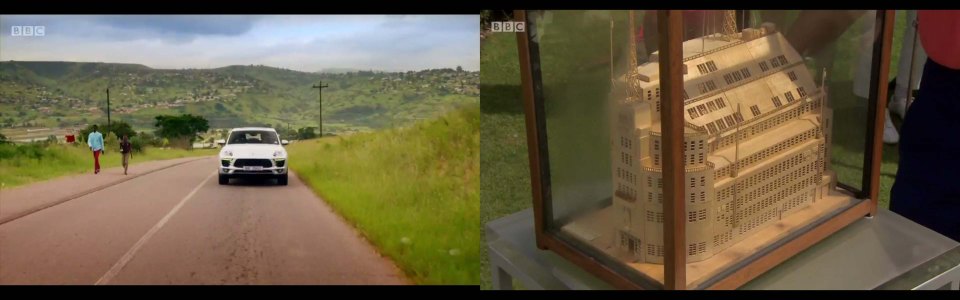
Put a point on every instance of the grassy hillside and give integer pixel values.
(23, 164)
(413, 192)
(61, 94)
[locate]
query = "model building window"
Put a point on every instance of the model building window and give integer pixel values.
(728, 78)
(782, 59)
(656, 159)
(792, 75)
(693, 113)
(707, 87)
(789, 96)
(721, 124)
(776, 101)
(801, 92)
(730, 121)
(720, 103)
(745, 72)
(711, 106)
(711, 66)
(685, 97)
(701, 145)
(737, 76)
(650, 184)
(738, 116)
(711, 127)
(702, 68)
(702, 109)
(755, 110)
(763, 66)
(775, 62)
(700, 158)
(656, 145)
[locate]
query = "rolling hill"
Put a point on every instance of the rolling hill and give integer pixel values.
(65, 94)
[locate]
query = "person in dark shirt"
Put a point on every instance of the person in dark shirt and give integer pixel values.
(126, 150)
(925, 190)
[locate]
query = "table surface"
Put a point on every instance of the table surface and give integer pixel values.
(887, 250)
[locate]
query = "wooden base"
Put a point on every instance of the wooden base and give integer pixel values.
(595, 230)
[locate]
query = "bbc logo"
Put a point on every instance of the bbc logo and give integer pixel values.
(28, 30)
(507, 26)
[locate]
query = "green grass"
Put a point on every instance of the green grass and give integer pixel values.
(574, 71)
(23, 164)
(413, 192)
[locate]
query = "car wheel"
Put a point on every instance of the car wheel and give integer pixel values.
(282, 180)
(224, 180)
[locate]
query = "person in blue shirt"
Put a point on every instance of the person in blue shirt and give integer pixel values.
(95, 141)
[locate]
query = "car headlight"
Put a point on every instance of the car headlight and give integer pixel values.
(279, 153)
(227, 153)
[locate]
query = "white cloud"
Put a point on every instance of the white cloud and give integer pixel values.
(300, 42)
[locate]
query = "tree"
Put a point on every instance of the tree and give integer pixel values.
(119, 128)
(306, 133)
(184, 127)
(459, 69)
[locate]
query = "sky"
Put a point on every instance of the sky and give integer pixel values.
(306, 43)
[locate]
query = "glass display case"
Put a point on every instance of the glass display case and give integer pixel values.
(698, 149)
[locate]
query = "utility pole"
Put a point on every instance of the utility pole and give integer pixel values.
(320, 88)
(108, 107)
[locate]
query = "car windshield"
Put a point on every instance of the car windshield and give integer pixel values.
(253, 137)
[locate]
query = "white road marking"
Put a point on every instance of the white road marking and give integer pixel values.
(117, 267)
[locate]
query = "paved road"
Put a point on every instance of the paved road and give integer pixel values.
(178, 226)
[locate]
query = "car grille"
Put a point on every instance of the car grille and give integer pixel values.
(281, 163)
(240, 163)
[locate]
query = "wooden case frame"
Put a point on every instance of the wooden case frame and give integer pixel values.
(670, 34)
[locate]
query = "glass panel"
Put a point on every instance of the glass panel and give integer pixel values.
(756, 100)
(758, 128)
(597, 161)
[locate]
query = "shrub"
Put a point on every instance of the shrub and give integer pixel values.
(137, 144)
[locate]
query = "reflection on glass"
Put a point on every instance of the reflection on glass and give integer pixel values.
(758, 136)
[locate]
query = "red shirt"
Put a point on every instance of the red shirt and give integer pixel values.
(940, 36)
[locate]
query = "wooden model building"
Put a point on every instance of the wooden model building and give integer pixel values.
(756, 152)
(756, 141)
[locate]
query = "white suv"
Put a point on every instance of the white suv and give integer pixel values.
(253, 152)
